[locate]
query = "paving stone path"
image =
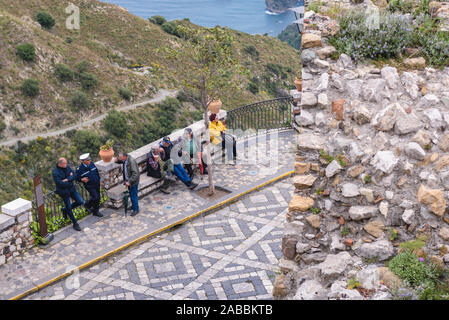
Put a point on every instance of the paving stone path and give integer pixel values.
(100, 236)
(229, 254)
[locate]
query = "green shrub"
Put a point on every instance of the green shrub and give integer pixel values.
(45, 19)
(116, 124)
(26, 51)
(87, 141)
(164, 120)
(79, 100)
(408, 267)
(402, 6)
(171, 28)
(2, 126)
(251, 50)
(30, 88)
(254, 85)
(360, 41)
(125, 93)
(88, 80)
(315, 5)
(64, 72)
(160, 20)
(82, 66)
(414, 244)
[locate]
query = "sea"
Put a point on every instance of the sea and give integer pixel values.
(250, 16)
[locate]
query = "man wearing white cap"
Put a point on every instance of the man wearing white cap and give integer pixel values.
(87, 173)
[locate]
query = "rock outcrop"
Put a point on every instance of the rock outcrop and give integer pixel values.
(279, 6)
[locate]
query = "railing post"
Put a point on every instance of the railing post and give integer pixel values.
(40, 208)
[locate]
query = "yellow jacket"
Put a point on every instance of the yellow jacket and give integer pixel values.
(215, 129)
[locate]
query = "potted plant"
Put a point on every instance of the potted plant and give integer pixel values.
(106, 151)
(214, 106)
(298, 81)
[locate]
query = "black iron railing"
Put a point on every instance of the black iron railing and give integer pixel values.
(270, 114)
(53, 205)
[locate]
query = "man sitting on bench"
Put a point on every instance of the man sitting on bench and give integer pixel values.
(159, 169)
(166, 145)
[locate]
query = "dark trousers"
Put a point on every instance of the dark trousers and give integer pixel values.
(158, 175)
(69, 206)
(134, 195)
(226, 145)
(189, 167)
(94, 201)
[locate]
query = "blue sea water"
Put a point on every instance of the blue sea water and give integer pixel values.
(250, 16)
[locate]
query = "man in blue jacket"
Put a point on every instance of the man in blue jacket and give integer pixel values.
(63, 177)
(87, 173)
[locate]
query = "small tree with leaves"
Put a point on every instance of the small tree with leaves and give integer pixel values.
(206, 67)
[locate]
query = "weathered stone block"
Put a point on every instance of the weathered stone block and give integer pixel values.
(6, 221)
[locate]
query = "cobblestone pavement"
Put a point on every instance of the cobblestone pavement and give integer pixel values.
(102, 235)
(229, 254)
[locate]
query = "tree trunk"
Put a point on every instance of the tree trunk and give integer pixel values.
(210, 166)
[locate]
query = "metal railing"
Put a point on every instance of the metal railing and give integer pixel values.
(53, 205)
(272, 114)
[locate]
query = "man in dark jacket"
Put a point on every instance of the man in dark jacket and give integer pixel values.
(87, 173)
(131, 177)
(63, 177)
(166, 145)
(159, 169)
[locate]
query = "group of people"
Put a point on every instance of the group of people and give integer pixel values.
(165, 161)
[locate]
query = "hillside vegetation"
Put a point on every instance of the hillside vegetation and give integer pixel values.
(113, 59)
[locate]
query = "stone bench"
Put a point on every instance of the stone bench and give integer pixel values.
(111, 173)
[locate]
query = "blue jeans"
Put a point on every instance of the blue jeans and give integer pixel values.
(181, 174)
(69, 206)
(133, 194)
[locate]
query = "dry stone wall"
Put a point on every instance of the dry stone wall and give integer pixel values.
(372, 171)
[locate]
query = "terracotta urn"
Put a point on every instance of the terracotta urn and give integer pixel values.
(214, 106)
(298, 84)
(107, 155)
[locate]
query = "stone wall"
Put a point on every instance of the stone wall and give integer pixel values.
(372, 171)
(15, 232)
(112, 176)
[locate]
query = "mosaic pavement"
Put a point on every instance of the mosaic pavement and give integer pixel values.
(229, 254)
(273, 155)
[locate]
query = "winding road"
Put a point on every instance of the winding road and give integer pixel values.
(160, 96)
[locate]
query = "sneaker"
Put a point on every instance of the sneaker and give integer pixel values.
(77, 227)
(192, 185)
(98, 214)
(134, 213)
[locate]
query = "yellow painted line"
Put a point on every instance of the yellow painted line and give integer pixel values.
(87, 264)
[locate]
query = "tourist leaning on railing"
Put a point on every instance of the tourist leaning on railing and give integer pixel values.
(63, 177)
(87, 173)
